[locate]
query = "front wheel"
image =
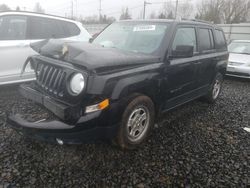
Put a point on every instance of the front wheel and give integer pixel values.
(215, 89)
(136, 124)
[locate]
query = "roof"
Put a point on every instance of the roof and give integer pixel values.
(185, 21)
(35, 14)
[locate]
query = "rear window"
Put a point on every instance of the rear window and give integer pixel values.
(206, 39)
(220, 39)
(45, 28)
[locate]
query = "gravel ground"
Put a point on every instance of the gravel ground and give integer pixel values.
(196, 145)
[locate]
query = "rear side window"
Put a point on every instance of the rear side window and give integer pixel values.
(43, 28)
(70, 29)
(46, 28)
(13, 28)
(185, 37)
(206, 40)
(220, 39)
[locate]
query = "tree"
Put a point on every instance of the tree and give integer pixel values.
(105, 19)
(185, 9)
(4, 7)
(162, 16)
(210, 10)
(18, 8)
(224, 11)
(125, 14)
(91, 19)
(152, 15)
(235, 11)
(38, 8)
(166, 10)
(95, 19)
(170, 15)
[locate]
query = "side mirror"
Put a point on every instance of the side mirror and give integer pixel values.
(183, 51)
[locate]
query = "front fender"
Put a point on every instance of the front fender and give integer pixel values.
(141, 83)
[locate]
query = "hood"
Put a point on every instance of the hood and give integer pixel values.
(239, 58)
(92, 56)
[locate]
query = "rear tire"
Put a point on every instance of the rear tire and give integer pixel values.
(137, 122)
(215, 89)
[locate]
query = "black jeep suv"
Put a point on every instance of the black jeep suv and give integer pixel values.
(116, 86)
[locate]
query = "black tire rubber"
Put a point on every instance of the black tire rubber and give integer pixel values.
(209, 97)
(122, 135)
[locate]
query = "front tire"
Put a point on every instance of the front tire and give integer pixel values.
(137, 122)
(215, 89)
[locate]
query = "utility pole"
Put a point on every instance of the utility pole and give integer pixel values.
(76, 10)
(144, 8)
(100, 10)
(72, 9)
(176, 9)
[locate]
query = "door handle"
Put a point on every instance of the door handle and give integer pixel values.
(197, 63)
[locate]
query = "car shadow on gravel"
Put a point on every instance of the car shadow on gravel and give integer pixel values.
(195, 145)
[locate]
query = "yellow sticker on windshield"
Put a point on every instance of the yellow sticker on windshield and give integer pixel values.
(144, 28)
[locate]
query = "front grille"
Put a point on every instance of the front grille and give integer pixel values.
(50, 78)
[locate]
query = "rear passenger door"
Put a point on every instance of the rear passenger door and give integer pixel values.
(207, 61)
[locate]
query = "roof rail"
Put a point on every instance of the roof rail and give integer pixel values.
(197, 20)
(36, 13)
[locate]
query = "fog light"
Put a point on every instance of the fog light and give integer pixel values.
(59, 141)
(102, 105)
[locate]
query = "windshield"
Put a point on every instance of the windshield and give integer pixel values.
(135, 37)
(239, 47)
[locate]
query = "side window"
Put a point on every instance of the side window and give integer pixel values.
(13, 28)
(70, 29)
(206, 39)
(45, 28)
(185, 37)
(220, 39)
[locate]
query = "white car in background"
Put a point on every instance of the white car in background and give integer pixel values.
(239, 59)
(19, 29)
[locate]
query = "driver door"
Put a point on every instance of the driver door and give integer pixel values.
(181, 72)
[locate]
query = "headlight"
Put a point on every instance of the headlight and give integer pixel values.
(77, 83)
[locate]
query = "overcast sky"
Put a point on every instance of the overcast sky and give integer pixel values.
(89, 7)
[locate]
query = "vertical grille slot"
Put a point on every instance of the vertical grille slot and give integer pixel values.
(50, 78)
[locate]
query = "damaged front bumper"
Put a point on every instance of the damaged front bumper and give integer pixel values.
(87, 128)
